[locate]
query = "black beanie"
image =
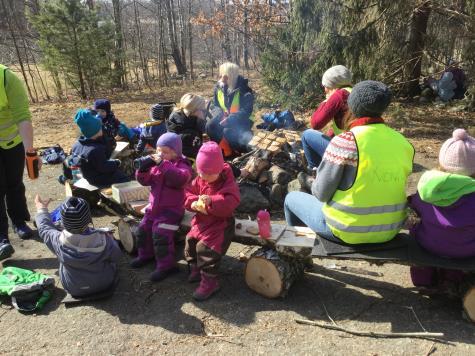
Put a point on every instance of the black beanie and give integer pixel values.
(369, 98)
(75, 215)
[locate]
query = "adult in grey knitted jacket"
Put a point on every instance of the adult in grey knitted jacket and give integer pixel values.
(88, 261)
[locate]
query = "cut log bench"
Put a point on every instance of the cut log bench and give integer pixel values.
(271, 270)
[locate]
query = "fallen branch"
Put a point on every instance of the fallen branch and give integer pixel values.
(417, 335)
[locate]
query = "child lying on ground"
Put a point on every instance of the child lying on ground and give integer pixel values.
(213, 195)
(87, 257)
(167, 172)
(445, 203)
(151, 130)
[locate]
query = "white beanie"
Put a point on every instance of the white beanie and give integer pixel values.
(336, 77)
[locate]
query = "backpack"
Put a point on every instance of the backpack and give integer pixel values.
(28, 290)
(277, 120)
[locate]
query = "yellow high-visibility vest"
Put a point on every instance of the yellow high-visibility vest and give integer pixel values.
(9, 134)
(373, 210)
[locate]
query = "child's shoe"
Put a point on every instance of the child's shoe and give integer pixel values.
(160, 274)
(138, 262)
(195, 274)
(208, 286)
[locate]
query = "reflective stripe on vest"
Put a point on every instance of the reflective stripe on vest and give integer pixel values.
(234, 105)
(9, 134)
(3, 94)
(335, 128)
(373, 210)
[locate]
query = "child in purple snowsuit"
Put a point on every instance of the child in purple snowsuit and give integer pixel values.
(167, 174)
(445, 202)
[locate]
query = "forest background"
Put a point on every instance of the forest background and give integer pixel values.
(65, 48)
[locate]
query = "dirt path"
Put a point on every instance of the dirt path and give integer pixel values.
(145, 318)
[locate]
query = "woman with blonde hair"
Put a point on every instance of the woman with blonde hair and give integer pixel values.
(232, 128)
(188, 120)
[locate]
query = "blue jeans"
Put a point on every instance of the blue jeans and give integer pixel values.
(314, 144)
(302, 209)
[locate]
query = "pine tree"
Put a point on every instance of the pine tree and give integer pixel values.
(76, 44)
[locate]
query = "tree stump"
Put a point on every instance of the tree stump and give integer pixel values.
(127, 228)
(469, 303)
(271, 275)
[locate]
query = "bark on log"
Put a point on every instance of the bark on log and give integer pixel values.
(127, 228)
(271, 275)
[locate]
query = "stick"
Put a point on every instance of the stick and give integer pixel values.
(419, 335)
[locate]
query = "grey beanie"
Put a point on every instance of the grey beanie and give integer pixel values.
(369, 98)
(336, 77)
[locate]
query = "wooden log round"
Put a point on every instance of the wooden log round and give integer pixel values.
(127, 228)
(271, 275)
(469, 303)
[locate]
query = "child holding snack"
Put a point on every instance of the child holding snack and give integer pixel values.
(213, 195)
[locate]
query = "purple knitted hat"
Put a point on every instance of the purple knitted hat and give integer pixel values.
(457, 154)
(171, 140)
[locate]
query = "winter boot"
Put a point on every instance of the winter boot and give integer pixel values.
(6, 250)
(195, 273)
(160, 274)
(208, 286)
(23, 231)
(139, 262)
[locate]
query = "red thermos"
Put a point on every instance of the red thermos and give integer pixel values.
(32, 162)
(263, 222)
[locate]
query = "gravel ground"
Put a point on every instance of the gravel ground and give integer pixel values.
(146, 318)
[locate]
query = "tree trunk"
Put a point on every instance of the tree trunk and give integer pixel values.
(190, 40)
(226, 40)
(17, 50)
(246, 40)
(175, 51)
(119, 79)
(143, 59)
(415, 47)
(90, 4)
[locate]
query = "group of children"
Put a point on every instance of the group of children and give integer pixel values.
(89, 256)
(445, 203)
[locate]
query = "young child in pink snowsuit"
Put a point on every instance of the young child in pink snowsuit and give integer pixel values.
(167, 174)
(213, 195)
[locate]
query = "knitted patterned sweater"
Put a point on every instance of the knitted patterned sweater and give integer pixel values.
(338, 168)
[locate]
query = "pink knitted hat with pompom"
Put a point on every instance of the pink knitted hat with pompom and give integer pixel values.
(457, 154)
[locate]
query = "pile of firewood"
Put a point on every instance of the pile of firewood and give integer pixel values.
(273, 165)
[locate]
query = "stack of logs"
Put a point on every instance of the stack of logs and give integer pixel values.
(273, 164)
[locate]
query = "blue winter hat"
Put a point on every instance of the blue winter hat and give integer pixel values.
(88, 123)
(102, 104)
(171, 140)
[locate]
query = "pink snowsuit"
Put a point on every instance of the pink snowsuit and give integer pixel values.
(155, 235)
(210, 235)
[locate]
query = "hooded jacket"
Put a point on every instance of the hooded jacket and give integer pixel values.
(225, 198)
(446, 205)
(87, 262)
(167, 181)
(190, 129)
(96, 167)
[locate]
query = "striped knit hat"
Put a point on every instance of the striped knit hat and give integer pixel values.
(156, 112)
(75, 215)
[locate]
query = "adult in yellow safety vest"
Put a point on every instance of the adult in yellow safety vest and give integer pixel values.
(359, 193)
(231, 128)
(16, 138)
(336, 82)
